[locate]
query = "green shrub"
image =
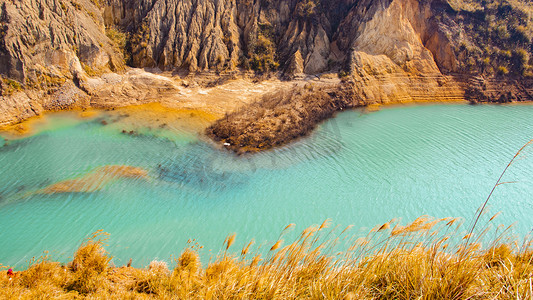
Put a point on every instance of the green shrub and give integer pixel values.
(519, 35)
(520, 59)
(119, 40)
(343, 74)
(10, 86)
(306, 9)
(496, 28)
(263, 55)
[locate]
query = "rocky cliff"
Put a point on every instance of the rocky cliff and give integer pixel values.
(60, 38)
(53, 53)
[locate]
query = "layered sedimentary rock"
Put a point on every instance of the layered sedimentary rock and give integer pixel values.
(387, 58)
(46, 48)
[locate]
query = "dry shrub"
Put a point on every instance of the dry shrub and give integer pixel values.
(158, 267)
(495, 256)
(44, 273)
(281, 117)
(42, 280)
(185, 278)
(426, 259)
(90, 265)
(156, 280)
(189, 262)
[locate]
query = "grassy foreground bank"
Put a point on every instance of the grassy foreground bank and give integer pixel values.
(392, 262)
(426, 259)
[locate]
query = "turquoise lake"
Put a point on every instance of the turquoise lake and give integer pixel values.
(358, 168)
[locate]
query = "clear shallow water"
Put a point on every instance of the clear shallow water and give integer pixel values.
(360, 169)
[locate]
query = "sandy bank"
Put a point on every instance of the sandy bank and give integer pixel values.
(145, 98)
(146, 95)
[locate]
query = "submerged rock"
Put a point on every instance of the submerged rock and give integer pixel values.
(196, 167)
(95, 180)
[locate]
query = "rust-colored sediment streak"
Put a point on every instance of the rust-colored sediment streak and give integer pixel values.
(95, 180)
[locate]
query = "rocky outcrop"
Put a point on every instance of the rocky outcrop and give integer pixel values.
(45, 42)
(46, 48)
(388, 60)
(60, 38)
(482, 90)
(221, 35)
(196, 35)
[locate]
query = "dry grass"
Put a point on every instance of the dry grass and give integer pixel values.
(423, 259)
(281, 117)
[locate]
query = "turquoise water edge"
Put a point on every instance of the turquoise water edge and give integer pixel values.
(358, 168)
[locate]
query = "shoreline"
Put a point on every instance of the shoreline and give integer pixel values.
(196, 120)
(192, 120)
(238, 113)
(150, 115)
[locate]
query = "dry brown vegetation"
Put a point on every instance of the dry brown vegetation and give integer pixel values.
(281, 117)
(422, 260)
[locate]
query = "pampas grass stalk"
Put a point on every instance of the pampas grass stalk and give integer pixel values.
(498, 182)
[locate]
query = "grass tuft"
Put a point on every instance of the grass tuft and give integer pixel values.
(90, 265)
